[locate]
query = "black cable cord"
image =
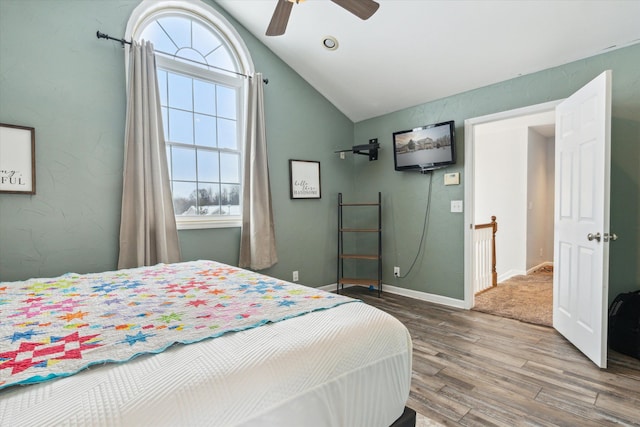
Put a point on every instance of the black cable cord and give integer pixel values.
(424, 227)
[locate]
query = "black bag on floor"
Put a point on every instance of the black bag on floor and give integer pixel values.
(624, 324)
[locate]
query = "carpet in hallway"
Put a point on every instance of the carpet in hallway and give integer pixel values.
(528, 298)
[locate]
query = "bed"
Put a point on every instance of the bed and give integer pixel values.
(197, 343)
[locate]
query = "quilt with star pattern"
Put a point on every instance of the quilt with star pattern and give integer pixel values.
(56, 327)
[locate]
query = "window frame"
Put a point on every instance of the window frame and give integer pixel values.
(151, 10)
(184, 68)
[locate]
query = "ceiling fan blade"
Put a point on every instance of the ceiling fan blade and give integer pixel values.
(363, 9)
(280, 18)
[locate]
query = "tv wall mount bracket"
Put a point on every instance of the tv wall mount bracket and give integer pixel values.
(370, 149)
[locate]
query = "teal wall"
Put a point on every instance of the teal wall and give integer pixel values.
(440, 269)
(57, 77)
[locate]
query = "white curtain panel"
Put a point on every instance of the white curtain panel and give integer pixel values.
(148, 233)
(258, 240)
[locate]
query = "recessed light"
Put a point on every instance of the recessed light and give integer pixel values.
(330, 43)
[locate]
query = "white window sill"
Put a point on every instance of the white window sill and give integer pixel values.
(194, 222)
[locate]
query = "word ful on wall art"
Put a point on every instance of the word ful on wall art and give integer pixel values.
(17, 159)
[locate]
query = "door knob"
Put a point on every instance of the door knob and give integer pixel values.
(592, 236)
(610, 237)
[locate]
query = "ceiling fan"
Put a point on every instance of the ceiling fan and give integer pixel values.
(363, 9)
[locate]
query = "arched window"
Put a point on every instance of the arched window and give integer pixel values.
(202, 66)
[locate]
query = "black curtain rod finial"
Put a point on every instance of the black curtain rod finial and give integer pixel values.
(106, 36)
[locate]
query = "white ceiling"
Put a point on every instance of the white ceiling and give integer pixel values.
(414, 51)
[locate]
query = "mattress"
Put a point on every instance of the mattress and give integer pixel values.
(349, 365)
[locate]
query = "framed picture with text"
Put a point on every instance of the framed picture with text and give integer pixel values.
(17, 159)
(304, 177)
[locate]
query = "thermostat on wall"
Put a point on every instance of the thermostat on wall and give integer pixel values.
(452, 178)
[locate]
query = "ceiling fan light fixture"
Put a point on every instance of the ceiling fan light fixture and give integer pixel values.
(330, 43)
(363, 9)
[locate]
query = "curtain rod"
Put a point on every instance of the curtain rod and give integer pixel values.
(123, 41)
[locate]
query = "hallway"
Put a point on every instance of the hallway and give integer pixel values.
(528, 298)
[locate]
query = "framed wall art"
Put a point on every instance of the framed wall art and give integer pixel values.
(17, 159)
(304, 177)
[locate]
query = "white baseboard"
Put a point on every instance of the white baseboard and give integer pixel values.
(328, 288)
(436, 299)
(509, 274)
(544, 264)
(423, 296)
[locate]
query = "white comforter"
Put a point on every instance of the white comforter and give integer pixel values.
(346, 366)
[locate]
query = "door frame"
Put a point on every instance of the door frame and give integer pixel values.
(469, 194)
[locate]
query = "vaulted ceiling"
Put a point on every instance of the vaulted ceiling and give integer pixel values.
(414, 51)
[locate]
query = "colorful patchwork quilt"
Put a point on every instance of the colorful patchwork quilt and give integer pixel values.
(57, 327)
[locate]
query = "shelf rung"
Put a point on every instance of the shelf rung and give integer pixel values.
(350, 281)
(361, 230)
(359, 256)
(359, 204)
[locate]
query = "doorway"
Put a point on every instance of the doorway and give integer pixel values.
(504, 152)
(514, 181)
(581, 215)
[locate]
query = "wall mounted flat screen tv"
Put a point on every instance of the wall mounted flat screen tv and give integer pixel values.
(425, 148)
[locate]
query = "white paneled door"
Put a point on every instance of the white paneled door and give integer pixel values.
(581, 236)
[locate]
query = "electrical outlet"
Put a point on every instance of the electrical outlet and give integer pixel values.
(396, 271)
(295, 276)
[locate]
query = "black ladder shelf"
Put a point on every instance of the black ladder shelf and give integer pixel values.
(342, 256)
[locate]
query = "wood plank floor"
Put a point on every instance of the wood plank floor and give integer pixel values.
(476, 369)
